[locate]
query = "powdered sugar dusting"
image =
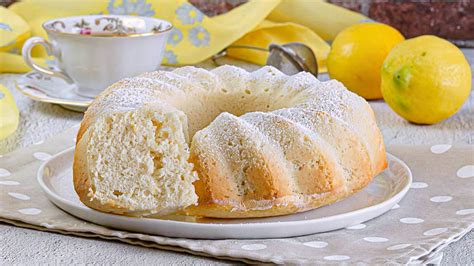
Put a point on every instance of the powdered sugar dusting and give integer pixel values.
(300, 103)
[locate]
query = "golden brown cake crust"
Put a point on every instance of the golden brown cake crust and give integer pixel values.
(316, 144)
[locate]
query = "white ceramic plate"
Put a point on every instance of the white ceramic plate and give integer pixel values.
(387, 189)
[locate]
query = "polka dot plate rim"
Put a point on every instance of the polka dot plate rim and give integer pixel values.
(387, 189)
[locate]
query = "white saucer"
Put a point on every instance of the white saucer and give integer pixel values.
(52, 90)
(387, 189)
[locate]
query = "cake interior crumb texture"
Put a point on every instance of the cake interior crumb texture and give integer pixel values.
(139, 160)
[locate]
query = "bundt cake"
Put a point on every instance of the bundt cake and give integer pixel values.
(225, 143)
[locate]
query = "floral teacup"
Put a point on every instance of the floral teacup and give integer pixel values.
(96, 51)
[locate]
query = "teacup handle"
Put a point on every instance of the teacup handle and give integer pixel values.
(51, 49)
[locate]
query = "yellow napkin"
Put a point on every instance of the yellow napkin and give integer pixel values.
(195, 37)
(325, 19)
(9, 115)
(13, 31)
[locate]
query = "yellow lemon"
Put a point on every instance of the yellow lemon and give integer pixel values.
(426, 79)
(357, 55)
(9, 115)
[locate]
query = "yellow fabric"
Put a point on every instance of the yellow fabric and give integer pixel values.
(13, 63)
(9, 115)
(325, 19)
(196, 37)
(13, 31)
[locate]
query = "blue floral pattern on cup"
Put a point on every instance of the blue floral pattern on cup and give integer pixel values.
(199, 36)
(188, 14)
(130, 7)
(176, 36)
(170, 57)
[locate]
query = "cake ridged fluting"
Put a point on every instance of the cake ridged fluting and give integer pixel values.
(225, 143)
